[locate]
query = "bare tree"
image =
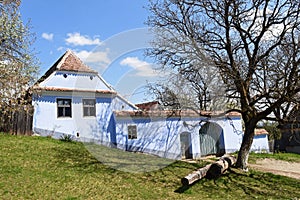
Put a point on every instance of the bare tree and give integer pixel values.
(193, 87)
(18, 65)
(253, 45)
(193, 78)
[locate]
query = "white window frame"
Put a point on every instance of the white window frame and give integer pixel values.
(89, 107)
(64, 107)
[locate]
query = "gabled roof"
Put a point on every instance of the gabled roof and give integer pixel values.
(67, 62)
(153, 105)
(70, 62)
(260, 131)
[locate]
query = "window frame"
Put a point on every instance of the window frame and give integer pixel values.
(89, 107)
(132, 132)
(64, 107)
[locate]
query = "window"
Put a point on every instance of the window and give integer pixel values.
(64, 108)
(132, 132)
(89, 107)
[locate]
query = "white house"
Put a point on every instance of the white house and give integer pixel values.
(72, 99)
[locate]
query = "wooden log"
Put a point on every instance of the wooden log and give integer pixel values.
(219, 167)
(230, 159)
(195, 176)
(210, 171)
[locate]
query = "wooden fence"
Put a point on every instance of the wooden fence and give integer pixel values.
(18, 122)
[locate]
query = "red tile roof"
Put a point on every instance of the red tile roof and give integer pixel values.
(153, 105)
(261, 131)
(67, 62)
(37, 88)
(70, 62)
(172, 113)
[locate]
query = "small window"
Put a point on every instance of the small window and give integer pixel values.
(89, 107)
(64, 108)
(132, 132)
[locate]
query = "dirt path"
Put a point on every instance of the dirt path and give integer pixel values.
(290, 169)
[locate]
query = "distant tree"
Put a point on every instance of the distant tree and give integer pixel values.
(272, 129)
(253, 45)
(18, 65)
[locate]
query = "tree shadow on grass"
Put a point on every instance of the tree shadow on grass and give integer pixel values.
(75, 156)
(91, 156)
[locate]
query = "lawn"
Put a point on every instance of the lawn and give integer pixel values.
(44, 168)
(290, 157)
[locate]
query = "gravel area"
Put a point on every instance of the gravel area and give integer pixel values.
(290, 169)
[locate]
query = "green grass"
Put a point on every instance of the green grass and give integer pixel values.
(43, 168)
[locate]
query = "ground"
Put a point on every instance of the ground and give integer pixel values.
(285, 168)
(44, 168)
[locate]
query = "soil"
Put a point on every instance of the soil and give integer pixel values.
(290, 169)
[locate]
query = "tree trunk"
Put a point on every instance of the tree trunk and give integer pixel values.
(242, 161)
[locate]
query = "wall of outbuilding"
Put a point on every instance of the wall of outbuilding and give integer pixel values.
(260, 144)
(161, 136)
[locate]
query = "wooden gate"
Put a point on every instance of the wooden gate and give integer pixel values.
(185, 145)
(211, 139)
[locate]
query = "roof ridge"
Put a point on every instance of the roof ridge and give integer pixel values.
(63, 58)
(71, 62)
(59, 62)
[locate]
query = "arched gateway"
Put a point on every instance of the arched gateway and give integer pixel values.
(211, 139)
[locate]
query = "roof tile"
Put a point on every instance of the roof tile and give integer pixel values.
(70, 62)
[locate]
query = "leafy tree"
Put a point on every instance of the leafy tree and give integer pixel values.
(18, 65)
(253, 45)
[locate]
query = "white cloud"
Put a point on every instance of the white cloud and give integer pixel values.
(94, 56)
(81, 40)
(142, 68)
(273, 32)
(61, 49)
(48, 36)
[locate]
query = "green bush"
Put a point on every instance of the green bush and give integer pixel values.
(66, 138)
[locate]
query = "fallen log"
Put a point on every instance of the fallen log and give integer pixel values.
(219, 167)
(210, 171)
(195, 175)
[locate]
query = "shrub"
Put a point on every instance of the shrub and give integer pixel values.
(66, 138)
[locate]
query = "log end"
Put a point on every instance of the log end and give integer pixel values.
(185, 182)
(214, 171)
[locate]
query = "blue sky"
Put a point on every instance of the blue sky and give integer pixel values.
(108, 35)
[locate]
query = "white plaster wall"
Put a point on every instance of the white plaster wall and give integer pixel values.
(260, 144)
(158, 137)
(162, 137)
(74, 80)
(99, 128)
(119, 104)
(233, 134)
(45, 117)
